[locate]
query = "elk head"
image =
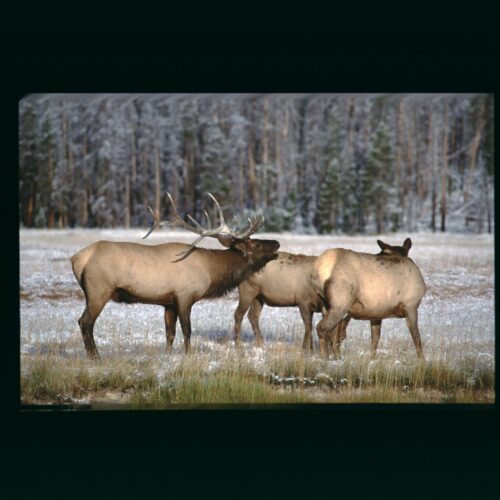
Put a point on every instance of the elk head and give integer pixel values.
(257, 252)
(395, 250)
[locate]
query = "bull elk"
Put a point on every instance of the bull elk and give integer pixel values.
(370, 287)
(172, 275)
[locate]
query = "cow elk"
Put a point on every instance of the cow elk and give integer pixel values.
(172, 275)
(368, 287)
(284, 282)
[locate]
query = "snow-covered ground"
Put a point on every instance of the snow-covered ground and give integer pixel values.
(456, 317)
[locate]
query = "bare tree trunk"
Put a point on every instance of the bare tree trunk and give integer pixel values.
(434, 206)
(281, 138)
(399, 162)
(84, 208)
(51, 218)
(380, 220)
(241, 182)
(145, 190)
(60, 221)
(431, 168)
(265, 154)
(444, 173)
(62, 207)
(350, 126)
(127, 201)
(133, 158)
(410, 180)
(487, 199)
(157, 181)
(473, 151)
(29, 216)
(252, 182)
(85, 215)
(71, 203)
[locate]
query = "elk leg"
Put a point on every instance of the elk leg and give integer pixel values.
(253, 316)
(94, 307)
(338, 335)
(328, 333)
(185, 319)
(240, 312)
(342, 326)
(170, 321)
(86, 323)
(307, 315)
(376, 325)
(339, 297)
(412, 322)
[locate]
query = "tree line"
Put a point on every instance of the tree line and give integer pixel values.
(312, 163)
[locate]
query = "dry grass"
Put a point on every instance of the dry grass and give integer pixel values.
(230, 377)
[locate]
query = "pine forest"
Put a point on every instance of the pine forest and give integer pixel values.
(311, 163)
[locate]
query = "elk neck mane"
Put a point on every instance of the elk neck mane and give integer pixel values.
(228, 268)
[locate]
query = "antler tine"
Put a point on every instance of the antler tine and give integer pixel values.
(155, 224)
(185, 253)
(172, 203)
(219, 211)
(195, 222)
(176, 221)
(254, 224)
(179, 221)
(208, 220)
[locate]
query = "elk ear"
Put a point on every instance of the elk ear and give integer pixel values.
(242, 247)
(407, 245)
(387, 249)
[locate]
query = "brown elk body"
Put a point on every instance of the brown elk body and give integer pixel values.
(134, 273)
(368, 287)
(284, 282)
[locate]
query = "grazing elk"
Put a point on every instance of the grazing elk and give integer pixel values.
(173, 275)
(370, 287)
(284, 282)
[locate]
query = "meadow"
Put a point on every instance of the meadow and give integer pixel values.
(456, 320)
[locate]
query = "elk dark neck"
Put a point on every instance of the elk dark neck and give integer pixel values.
(228, 269)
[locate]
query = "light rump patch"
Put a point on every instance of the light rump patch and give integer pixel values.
(324, 266)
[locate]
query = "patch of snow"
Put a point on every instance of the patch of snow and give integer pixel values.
(456, 316)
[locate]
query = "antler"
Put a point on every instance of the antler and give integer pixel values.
(222, 230)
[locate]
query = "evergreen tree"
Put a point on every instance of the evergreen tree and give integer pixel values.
(329, 193)
(378, 182)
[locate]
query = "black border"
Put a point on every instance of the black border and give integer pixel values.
(307, 450)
